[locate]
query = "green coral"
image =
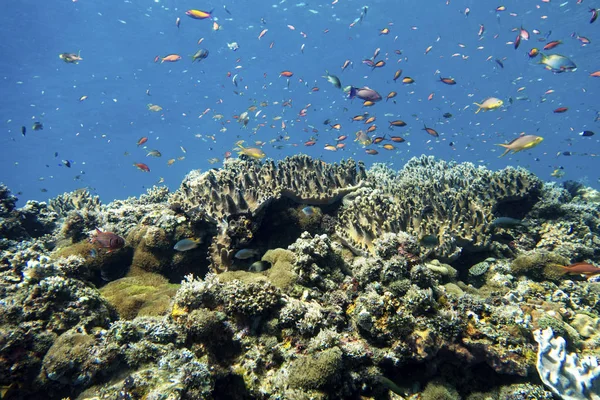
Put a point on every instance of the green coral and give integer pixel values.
(281, 272)
(538, 264)
(315, 372)
(438, 390)
(147, 294)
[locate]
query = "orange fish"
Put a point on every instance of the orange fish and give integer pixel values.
(286, 73)
(142, 140)
(262, 33)
(397, 122)
(397, 74)
(384, 31)
(378, 64)
(397, 139)
(371, 151)
(581, 268)
(408, 80)
(199, 14)
(310, 143)
(170, 58)
(142, 167)
(552, 44)
(370, 120)
(596, 74)
(448, 81)
(560, 110)
(431, 131)
(391, 95)
(533, 53)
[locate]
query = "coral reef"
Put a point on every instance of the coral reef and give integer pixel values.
(455, 203)
(361, 284)
(235, 196)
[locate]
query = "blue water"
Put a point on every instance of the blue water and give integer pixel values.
(119, 42)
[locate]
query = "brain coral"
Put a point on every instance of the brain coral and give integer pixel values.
(454, 202)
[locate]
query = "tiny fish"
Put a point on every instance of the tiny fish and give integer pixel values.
(429, 241)
(507, 222)
(244, 254)
(153, 153)
(308, 211)
(259, 266)
(187, 244)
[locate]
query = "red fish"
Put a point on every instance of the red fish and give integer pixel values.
(581, 268)
(552, 44)
(142, 140)
(560, 110)
(107, 240)
(142, 167)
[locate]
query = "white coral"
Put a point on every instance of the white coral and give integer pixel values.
(568, 375)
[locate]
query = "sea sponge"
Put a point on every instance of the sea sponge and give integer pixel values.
(145, 294)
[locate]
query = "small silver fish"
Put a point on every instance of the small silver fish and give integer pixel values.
(154, 153)
(187, 244)
(244, 254)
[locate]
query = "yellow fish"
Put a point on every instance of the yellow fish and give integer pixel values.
(521, 143)
(491, 103)
(252, 152)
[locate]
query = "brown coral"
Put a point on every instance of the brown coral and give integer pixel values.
(454, 202)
